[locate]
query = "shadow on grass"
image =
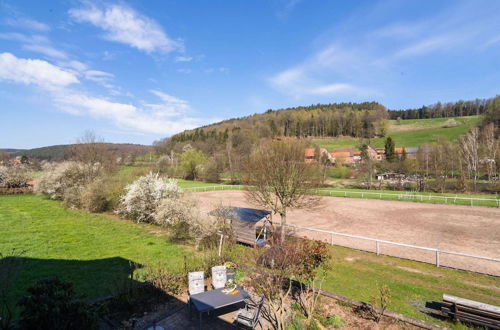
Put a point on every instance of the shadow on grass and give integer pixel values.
(113, 284)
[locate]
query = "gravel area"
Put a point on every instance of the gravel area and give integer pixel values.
(465, 229)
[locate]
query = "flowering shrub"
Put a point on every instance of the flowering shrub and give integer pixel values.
(144, 195)
(14, 176)
(60, 179)
(3, 174)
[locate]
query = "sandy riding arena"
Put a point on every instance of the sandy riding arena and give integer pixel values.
(471, 230)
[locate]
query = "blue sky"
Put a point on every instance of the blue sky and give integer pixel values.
(138, 71)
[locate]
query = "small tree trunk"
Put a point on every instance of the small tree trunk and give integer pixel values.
(283, 223)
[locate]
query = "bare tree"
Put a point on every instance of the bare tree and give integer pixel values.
(94, 154)
(4, 157)
(491, 149)
(469, 145)
(280, 179)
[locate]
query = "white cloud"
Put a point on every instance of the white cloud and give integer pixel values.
(125, 25)
(169, 116)
(35, 43)
(183, 59)
(34, 72)
(75, 65)
(162, 118)
(307, 79)
(46, 50)
(98, 76)
(27, 23)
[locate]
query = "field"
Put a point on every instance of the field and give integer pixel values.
(94, 251)
(472, 230)
(410, 133)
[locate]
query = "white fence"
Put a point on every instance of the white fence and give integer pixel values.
(470, 201)
(459, 260)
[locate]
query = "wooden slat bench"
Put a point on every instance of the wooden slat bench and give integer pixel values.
(471, 311)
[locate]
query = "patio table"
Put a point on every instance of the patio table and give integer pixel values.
(207, 301)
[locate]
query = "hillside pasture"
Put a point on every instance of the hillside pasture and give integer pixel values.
(409, 133)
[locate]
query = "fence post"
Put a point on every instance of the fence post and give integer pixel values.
(378, 248)
(331, 239)
(345, 193)
(362, 195)
(471, 202)
(437, 258)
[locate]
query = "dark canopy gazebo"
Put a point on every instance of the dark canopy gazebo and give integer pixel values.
(244, 222)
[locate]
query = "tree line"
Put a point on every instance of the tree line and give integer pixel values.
(445, 110)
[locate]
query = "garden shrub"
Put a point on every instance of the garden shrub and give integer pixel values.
(93, 198)
(178, 215)
(52, 305)
(14, 176)
(71, 197)
(144, 195)
(164, 280)
(60, 179)
(331, 321)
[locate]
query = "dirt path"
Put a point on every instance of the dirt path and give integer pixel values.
(472, 230)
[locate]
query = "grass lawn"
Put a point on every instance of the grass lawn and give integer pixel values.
(409, 133)
(358, 274)
(91, 250)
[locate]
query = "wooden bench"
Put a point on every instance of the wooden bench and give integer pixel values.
(471, 311)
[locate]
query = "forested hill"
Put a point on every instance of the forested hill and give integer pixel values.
(63, 151)
(347, 119)
(366, 120)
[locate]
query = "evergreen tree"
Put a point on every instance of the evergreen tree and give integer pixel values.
(389, 149)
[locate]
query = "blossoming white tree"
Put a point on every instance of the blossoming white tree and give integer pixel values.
(144, 195)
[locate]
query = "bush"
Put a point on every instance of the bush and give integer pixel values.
(212, 171)
(331, 321)
(14, 176)
(52, 305)
(178, 215)
(450, 123)
(144, 195)
(164, 280)
(59, 179)
(93, 198)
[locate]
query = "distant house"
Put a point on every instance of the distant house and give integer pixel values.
(356, 156)
(389, 176)
(380, 153)
(372, 153)
(344, 155)
(310, 155)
